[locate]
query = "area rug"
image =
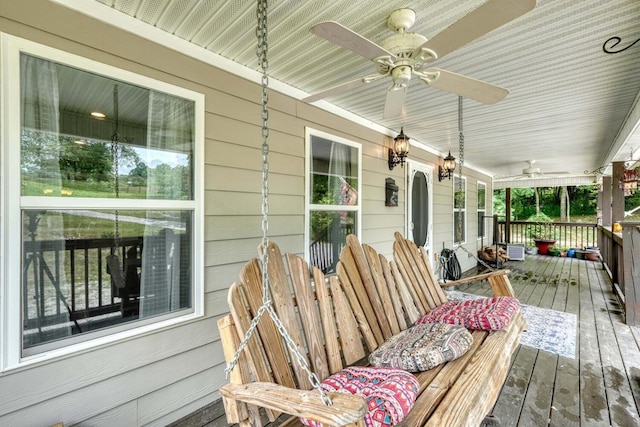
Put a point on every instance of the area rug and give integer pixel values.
(548, 330)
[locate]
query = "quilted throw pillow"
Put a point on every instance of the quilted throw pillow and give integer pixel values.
(390, 393)
(423, 347)
(490, 314)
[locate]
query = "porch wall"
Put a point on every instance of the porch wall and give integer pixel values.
(163, 376)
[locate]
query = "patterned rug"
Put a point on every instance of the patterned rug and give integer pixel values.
(548, 330)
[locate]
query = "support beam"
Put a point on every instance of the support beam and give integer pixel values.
(507, 221)
(617, 205)
(606, 201)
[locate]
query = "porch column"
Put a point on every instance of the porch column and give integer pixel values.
(507, 221)
(605, 202)
(617, 204)
(631, 283)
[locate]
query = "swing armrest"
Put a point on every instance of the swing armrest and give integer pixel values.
(346, 408)
(497, 279)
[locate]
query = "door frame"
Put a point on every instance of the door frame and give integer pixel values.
(428, 170)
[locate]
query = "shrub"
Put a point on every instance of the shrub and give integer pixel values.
(542, 229)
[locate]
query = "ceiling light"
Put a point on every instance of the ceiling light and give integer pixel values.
(98, 115)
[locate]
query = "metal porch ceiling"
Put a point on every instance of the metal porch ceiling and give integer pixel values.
(568, 101)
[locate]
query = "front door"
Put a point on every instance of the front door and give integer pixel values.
(419, 205)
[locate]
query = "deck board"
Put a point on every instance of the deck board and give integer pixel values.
(600, 387)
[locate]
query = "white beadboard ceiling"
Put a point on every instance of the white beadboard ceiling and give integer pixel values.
(572, 107)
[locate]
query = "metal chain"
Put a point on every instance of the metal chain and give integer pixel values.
(460, 165)
(115, 158)
(267, 306)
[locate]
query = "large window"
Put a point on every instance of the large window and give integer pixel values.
(482, 209)
(459, 210)
(333, 197)
(106, 196)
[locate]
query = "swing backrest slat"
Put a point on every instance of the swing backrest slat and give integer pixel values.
(348, 274)
(373, 260)
(251, 278)
(394, 293)
(421, 276)
(284, 304)
(410, 303)
(328, 319)
(368, 282)
(253, 358)
(349, 335)
(311, 324)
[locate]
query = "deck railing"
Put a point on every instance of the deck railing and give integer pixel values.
(566, 234)
(620, 256)
(69, 278)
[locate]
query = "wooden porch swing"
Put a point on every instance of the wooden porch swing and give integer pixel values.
(318, 325)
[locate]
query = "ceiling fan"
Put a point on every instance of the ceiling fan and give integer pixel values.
(406, 54)
(530, 172)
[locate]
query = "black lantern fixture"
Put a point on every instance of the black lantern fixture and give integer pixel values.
(398, 153)
(448, 167)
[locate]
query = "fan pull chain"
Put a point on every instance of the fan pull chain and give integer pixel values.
(267, 305)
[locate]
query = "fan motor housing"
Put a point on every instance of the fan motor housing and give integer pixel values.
(403, 45)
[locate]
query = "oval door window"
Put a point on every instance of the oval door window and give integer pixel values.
(420, 208)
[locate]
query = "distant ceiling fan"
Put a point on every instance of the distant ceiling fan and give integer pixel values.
(406, 54)
(530, 172)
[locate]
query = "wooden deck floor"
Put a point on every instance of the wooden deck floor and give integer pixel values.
(600, 387)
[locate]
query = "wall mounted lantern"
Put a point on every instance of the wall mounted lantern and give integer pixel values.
(398, 153)
(446, 170)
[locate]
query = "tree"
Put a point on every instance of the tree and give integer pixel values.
(565, 205)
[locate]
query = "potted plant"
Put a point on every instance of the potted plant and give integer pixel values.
(553, 250)
(542, 232)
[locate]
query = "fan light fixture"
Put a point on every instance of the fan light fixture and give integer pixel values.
(400, 150)
(446, 170)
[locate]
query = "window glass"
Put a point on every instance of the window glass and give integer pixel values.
(482, 200)
(87, 135)
(460, 207)
(334, 200)
(92, 266)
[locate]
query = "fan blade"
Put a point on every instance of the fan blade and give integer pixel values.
(342, 36)
(394, 102)
(485, 18)
(468, 87)
(343, 87)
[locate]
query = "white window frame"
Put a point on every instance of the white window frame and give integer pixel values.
(309, 132)
(12, 203)
(484, 210)
(463, 210)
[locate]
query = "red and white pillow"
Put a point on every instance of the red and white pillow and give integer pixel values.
(390, 393)
(490, 314)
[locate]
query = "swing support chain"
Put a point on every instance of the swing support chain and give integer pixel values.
(460, 165)
(115, 158)
(267, 305)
